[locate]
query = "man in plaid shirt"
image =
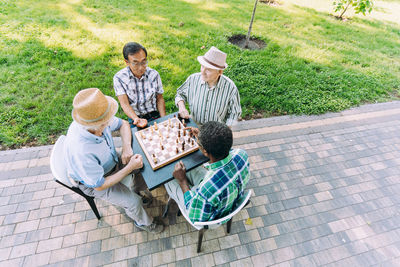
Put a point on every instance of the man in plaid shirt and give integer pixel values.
(219, 183)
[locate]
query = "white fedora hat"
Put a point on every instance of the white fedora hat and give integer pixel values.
(92, 107)
(213, 59)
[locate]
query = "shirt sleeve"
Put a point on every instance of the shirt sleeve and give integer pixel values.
(199, 210)
(115, 124)
(160, 89)
(234, 109)
(90, 172)
(119, 86)
(182, 92)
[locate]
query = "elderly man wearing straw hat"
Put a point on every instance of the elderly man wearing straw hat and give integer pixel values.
(211, 95)
(92, 160)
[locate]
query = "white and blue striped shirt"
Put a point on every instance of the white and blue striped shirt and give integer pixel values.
(220, 103)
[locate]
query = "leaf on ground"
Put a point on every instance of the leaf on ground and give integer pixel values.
(249, 221)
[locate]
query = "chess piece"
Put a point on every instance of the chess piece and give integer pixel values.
(155, 126)
(184, 133)
(161, 145)
(154, 158)
(159, 134)
(142, 135)
(177, 150)
(183, 146)
(179, 134)
(169, 122)
(192, 142)
(151, 129)
(183, 122)
(179, 125)
(177, 140)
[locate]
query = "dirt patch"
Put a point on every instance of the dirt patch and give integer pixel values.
(240, 41)
(271, 2)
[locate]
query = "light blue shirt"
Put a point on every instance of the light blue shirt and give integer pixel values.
(87, 156)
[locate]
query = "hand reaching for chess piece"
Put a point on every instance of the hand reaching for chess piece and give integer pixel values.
(193, 131)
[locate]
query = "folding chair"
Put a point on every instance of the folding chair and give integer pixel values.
(57, 165)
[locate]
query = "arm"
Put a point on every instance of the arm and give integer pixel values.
(234, 109)
(181, 98)
(135, 162)
(180, 175)
(161, 105)
(126, 136)
(123, 100)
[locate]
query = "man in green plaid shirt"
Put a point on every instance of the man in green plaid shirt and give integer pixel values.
(218, 184)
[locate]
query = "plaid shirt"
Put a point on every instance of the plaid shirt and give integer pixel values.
(220, 103)
(142, 93)
(223, 184)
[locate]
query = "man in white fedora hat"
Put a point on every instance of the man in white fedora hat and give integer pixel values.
(211, 95)
(92, 160)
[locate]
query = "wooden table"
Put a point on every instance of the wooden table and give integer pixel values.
(163, 175)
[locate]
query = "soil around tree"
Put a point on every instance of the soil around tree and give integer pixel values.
(271, 2)
(240, 41)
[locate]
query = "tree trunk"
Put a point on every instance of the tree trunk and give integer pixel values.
(246, 45)
(341, 15)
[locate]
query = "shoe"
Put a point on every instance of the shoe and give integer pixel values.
(153, 228)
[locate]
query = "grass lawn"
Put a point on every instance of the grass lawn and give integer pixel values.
(313, 63)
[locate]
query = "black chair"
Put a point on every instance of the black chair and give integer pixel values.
(59, 171)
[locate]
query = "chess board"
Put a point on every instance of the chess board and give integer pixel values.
(165, 134)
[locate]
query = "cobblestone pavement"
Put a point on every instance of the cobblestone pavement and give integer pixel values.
(326, 194)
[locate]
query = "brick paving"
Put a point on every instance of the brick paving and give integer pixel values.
(326, 194)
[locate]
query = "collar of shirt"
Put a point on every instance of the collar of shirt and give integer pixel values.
(91, 137)
(218, 164)
(145, 75)
(210, 88)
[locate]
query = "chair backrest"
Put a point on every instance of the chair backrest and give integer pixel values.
(57, 163)
(230, 215)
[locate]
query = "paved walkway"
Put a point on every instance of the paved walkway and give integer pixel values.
(326, 194)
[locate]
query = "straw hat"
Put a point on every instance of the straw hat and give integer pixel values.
(213, 59)
(92, 107)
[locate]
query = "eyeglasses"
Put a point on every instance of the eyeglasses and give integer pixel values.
(138, 64)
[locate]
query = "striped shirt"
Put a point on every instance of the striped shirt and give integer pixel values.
(142, 93)
(221, 188)
(221, 103)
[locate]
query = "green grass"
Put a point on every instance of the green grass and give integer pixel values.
(313, 63)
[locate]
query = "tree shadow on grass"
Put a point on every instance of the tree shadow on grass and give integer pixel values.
(296, 73)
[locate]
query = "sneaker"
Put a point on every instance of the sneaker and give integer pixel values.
(153, 228)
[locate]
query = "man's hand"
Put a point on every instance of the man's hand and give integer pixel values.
(180, 172)
(141, 123)
(183, 113)
(135, 162)
(193, 131)
(126, 155)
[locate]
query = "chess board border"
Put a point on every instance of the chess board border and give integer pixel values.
(170, 160)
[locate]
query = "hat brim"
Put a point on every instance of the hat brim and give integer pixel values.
(208, 65)
(111, 113)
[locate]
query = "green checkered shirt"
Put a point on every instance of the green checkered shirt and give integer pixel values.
(224, 184)
(220, 103)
